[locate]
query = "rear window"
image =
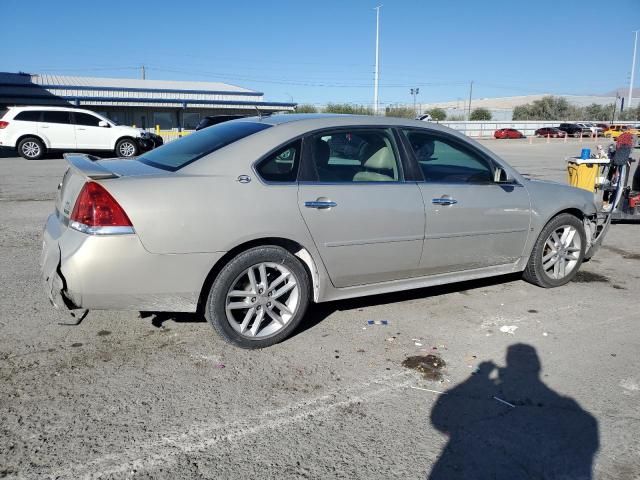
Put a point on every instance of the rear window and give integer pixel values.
(28, 116)
(184, 151)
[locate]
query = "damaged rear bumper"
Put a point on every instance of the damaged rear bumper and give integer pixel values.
(115, 272)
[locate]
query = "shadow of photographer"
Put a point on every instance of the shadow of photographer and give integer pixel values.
(505, 423)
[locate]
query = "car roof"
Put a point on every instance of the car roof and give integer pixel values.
(51, 107)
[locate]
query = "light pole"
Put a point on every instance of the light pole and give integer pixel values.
(415, 92)
(633, 68)
(375, 76)
(470, 94)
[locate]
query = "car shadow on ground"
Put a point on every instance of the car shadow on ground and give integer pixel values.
(504, 423)
(320, 311)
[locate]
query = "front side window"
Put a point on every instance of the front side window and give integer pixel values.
(28, 116)
(86, 119)
(175, 155)
(446, 160)
(355, 156)
(55, 116)
(281, 166)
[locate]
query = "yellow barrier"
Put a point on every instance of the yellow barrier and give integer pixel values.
(168, 135)
(583, 175)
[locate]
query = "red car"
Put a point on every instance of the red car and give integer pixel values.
(551, 132)
(508, 133)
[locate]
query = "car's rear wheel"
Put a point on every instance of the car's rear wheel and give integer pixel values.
(558, 252)
(126, 148)
(577, 134)
(31, 148)
(259, 297)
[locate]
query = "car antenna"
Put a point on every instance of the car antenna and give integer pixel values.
(259, 112)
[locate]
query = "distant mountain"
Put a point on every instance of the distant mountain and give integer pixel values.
(623, 92)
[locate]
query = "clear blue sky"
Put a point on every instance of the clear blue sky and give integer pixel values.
(324, 51)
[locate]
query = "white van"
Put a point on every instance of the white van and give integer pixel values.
(35, 130)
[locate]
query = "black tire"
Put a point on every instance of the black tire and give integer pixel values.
(534, 273)
(215, 310)
(31, 148)
(576, 135)
(127, 148)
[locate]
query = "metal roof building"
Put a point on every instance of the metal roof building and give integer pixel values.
(145, 103)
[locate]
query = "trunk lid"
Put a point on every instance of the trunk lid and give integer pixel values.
(82, 168)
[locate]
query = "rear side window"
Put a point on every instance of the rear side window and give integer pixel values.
(55, 116)
(179, 153)
(282, 165)
(86, 119)
(29, 116)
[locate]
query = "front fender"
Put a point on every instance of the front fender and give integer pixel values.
(549, 199)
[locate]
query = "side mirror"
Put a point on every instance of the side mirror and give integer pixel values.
(102, 123)
(501, 176)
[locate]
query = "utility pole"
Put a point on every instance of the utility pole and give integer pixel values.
(375, 77)
(414, 92)
(633, 70)
(615, 104)
(143, 72)
(470, 93)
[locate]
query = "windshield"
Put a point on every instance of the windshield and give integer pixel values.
(179, 153)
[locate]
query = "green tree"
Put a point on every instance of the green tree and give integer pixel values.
(437, 114)
(400, 112)
(547, 108)
(305, 108)
(629, 114)
(348, 108)
(480, 114)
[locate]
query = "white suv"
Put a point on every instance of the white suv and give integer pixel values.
(34, 130)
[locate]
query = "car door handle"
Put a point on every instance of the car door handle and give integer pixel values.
(320, 204)
(80, 128)
(444, 200)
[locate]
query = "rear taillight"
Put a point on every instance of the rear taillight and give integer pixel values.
(3, 124)
(97, 212)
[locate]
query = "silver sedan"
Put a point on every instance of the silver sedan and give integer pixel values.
(252, 220)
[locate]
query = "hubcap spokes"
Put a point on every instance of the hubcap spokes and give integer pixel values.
(561, 252)
(126, 150)
(262, 300)
(31, 149)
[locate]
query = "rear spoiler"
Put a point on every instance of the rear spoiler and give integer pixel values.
(86, 165)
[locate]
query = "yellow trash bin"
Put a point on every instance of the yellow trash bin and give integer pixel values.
(583, 173)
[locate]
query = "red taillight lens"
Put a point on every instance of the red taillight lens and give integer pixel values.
(3, 124)
(95, 207)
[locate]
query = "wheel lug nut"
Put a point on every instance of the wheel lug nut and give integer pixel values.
(268, 304)
(253, 299)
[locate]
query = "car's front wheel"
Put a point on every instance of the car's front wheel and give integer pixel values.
(126, 148)
(558, 252)
(259, 297)
(31, 148)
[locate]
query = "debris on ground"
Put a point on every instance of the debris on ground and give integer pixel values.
(429, 365)
(377, 322)
(505, 402)
(511, 329)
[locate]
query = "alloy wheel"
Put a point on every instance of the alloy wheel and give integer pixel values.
(127, 149)
(31, 149)
(262, 300)
(561, 252)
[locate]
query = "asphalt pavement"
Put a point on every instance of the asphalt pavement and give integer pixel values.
(511, 380)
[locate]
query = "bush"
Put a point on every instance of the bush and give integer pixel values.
(548, 108)
(437, 114)
(480, 114)
(400, 112)
(348, 108)
(305, 108)
(456, 118)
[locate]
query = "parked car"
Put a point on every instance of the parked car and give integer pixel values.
(575, 130)
(616, 130)
(508, 133)
(550, 132)
(593, 129)
(215, 120)
(33, 131)
(250, 221)
(426, 117)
